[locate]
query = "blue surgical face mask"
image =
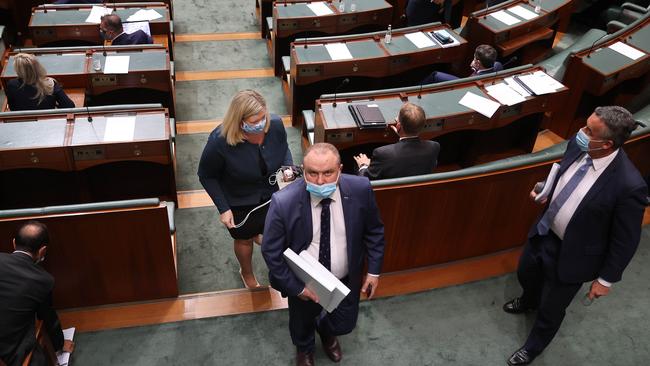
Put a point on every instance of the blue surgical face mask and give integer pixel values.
(322, 190)
(582, 139)
(256, 128)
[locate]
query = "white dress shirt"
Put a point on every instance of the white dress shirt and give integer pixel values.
(567, 210)
(338, 241)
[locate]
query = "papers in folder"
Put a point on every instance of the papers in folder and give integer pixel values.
(538, 83)
(96, 14)
(330, 290)
(64, 357)
(548, 185)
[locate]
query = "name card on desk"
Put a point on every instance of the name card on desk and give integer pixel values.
(504, 17)
(96, 14)
(420, 40)
(480, 104)
(116, 64)
(338, 51)
(627, 51)
(119, 129)
(320, 8)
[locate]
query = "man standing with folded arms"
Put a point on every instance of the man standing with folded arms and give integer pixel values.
(589, 232)
(334, 217)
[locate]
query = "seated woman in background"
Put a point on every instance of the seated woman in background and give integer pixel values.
(33, 89)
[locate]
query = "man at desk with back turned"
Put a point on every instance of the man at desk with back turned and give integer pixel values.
(409, 156)
(589, 231)
(334, 217)
(484, 62)
(111, 29)
(25, 293)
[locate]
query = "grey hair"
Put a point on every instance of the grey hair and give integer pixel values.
(619, 121)
(321, 148)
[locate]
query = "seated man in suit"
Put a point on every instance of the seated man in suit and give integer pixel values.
(111, 29)
(25, 293)
(484, 62)
(409, 156)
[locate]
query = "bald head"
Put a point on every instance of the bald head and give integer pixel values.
(31, 237)
(322, 163)
(111, 23)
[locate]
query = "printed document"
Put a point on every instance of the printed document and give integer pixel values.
(420, 40)
(119, 129)
(96, 13)
(338, 51)
(320, 8)
(116, 65)
(627, 50)
(482, 105)
(504, 17)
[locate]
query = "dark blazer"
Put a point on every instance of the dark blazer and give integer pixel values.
(410, 156)
(424, 11)
(21, 98)
(231, 174)
(604, 232)
(25, 292)
(289, 225)
(137, 37)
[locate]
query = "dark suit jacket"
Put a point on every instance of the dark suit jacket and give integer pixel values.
(411, 156)
(25, 292)
(604, 232)
(424, 11)
(289, 225)
(137, 37)
(22, 98)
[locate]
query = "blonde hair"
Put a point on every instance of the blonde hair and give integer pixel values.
(244, 104)
(31, 72)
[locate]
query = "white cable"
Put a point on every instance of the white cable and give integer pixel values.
(249, 214)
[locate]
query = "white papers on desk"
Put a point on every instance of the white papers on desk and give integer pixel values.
(523, 12)
(514, 85)
(420, 40)
(338, 51)
(96, 14)
(627, 50)
(64, 357)
(484, 106)
(540, 83)
(144, 15)
(136, 26)
(504, 17)
(504, 94)
(116, 65)
(320, 8)
(548, 185)
(119, 129)
(329, 289)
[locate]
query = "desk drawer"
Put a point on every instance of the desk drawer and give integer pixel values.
(136, 150)
(53, 158)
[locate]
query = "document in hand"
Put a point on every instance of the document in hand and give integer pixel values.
(64, 357)
(330, 290)
(555, 168)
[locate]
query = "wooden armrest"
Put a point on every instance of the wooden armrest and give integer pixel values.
(77, 95)
(512, 45)
(160, 39)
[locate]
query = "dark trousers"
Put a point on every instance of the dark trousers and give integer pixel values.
(537, 274)
(307, 317)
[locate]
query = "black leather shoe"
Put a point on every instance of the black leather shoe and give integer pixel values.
(332, 348)
(516, 306)
(304, 359)
(521, 357)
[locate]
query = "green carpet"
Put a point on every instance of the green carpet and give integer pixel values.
(461, 325)
(214, 16)
(222, 55)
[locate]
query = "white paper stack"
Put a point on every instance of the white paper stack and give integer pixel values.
(338, 51)
(320, 8)
(627, 51)
(540, 83)
(523, 12)
(96, 13)
(329, 289)
(136, 26)
(504, 94)
(505, 17)
(482, 105)
(117, 64)
(64, 357)
(119, 129)
(420, 40)
(144, 15)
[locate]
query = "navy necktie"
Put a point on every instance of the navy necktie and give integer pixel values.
(545, 223)
(324, 252)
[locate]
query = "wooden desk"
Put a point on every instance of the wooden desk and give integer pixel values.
(375, 64)
(530, 40)
(294, 20)
(60, 159)
(150, 70)
(466, 137)
(602, 76)
(65, 25)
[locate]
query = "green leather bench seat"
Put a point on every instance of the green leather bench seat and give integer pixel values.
(556, 65)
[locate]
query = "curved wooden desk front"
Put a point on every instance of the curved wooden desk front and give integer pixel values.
(312, 65)
(598, 75)
(149, 68)
(511, 131)
(293, 19)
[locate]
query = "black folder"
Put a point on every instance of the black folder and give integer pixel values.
(367, 116)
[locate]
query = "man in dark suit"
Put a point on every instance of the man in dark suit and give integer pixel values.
(334, 217)
(589, 231)
(409, 156)
(484, 62)
(111, 29)
(26, 292)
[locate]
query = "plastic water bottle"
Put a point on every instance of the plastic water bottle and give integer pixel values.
(341, 7)
(538, 6)
(353, 6)
(389, 35)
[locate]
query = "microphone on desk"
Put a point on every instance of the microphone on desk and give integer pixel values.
(593, 44)
(505, 65)
(343, 83)
(114, 6)
(90, 118)
(487, 5)
(420, 90)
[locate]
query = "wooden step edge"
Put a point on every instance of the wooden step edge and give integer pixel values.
(206, 37)
(206, 126)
